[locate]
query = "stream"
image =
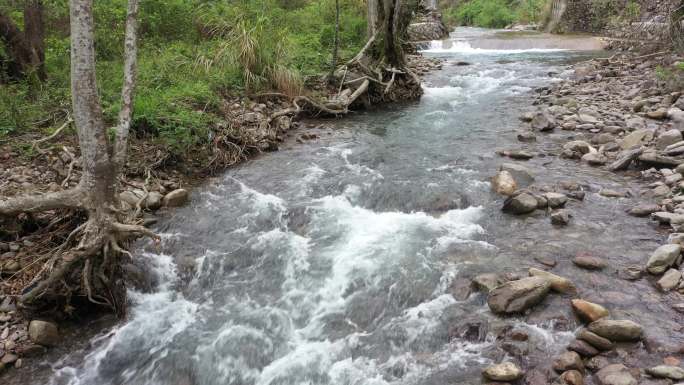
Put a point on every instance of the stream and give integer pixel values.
(347, 259)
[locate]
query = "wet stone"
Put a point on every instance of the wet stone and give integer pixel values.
(568, 361)
(666, 371)
(617, 330)
(546, 261)
(572, 377)
(588, 311)
(582, 348)
(506, 371)
(595, 340)
(616, 374)
(589, 262)
(631, 273)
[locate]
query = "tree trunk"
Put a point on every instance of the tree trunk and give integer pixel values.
(389, 19)
(34, 30)
(336, 44)
(95, 256)
(25, 49)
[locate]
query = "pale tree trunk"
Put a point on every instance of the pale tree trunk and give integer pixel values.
(96, 192)
(336, 43)
(372, 16)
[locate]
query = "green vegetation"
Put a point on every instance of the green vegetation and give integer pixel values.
(492, 13)
(672, 77)
(193, 54)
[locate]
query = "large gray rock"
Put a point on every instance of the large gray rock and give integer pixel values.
(519, 204)
(579, 146)
(518, 296)
(176, 198)
(670, 280)
(662, 258)
(43, 333)
(506, 371)
(617, 330)
(523, 176)
(543, 121)
(594, 159)
(636, 138)
(616, 374)
(556, 200)
(666, 371)
(667, 138)
(560, 217)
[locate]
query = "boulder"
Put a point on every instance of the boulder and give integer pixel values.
(506, 371)
(588, 262)
(667, 138)
(617, 330)
(568, 361)
(556, 200)
(594, 159)
(154, 200)
(636, 138)
(504, 184)
(43, 333)
(558, 283)
(666, 371)
(176, 198)
(643, 210)
(572, 377)
(595, 340)
(523, 203)
(560, 217)
(616, 374)
(670, 280)
(518, 296)
(543, 121)
(588, 311)
(487, 282)
(522, 175)
(662, 258)
(583, 348)
(579, 146)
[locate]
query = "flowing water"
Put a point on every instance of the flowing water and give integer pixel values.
(344, 260)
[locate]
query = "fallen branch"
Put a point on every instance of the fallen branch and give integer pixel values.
(53, 135)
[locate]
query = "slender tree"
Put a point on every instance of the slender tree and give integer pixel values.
(102, 161)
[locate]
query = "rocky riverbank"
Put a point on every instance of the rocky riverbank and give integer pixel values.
(623, 114)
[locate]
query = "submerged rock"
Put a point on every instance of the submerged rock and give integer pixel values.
(518, 296)
(523, 176)
(560, 217)
(556, 200)
(588, 262)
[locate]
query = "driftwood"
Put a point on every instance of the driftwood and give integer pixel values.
(625, 159)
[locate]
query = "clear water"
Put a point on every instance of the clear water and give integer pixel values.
(334, 261)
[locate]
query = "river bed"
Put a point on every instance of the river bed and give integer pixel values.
(347, 259)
